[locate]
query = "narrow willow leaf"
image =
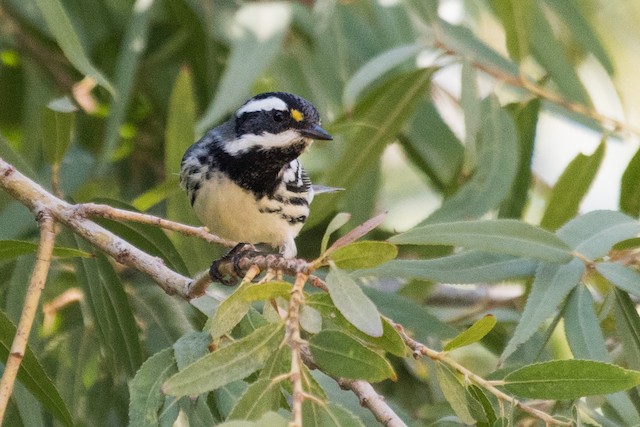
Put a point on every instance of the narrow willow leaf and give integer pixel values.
(581, 30)
(586, 340)
(582, 327)
(33, 376)
(228, 364)
(367, 254)
(340, 355)
(191, 347)
(169, 188)
(525, 116)
(231, 311)
(14, 248)
(504, 236)
(495, 170)
(625, 278)
(260, 397)
(278, 363)
(336, 223)
(60, 25)
(131, 50)
(629, 188)
(594, 234)
(254, 44)
(432, 146)
(569, 379)
(628, 322)
(414, 317)
(144, 390)
(264, 291)
(511, 13)
(227, 396)
(111, 312)
(552, 284)
(310, 319)
(330, 414)
(465, 267)
(463, 41)
(57, 124)
(454, 392)
(550, 53)
(475, 333)
(376, 121)
(354, 305)
(571, 188)
(375, 68)
(482, 406)
(389, 341)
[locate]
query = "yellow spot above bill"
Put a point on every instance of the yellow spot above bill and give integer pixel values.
(297, 115)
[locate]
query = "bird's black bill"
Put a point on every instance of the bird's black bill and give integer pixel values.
(316, 132)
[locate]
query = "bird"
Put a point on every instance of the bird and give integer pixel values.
(243, 178)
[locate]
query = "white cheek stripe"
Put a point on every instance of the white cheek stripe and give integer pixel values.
(266, 104)
(264, 141)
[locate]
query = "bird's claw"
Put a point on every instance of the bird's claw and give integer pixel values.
(234, 256)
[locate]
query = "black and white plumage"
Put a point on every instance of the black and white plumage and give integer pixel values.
(243, 177)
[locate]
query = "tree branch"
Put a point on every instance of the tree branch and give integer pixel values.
(36, 285)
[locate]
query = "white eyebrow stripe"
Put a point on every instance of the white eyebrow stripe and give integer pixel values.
(266, 104)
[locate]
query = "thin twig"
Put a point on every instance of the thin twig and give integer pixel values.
(36, 285)
(105, 211)
(295, 340)
(420, 349)
(32, 195)
(371, 400)
(525, 83)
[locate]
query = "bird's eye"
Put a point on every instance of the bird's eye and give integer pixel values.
(278, 115)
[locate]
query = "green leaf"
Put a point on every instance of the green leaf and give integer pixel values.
(259, 398)
(336, 223)
(57, 124)
(233, 309)
(465, 267)
(126, 67)
(480, 405)
(454, 392)
(375, 68)
(365, 254)
(594, 233)
(586, 341)
(311, 319)
(257, 44)
(432, 145)
(111, 311)
(503, 236)
(191, 347)
(33, 376)
(354, 305)
(551, 285)
(629, 188)
(570, 189)
(340, 355)
(582, 327)
(581, 30)
(628, 327)
(227, 364)
(14, 248)
(495, 172)
(525, 116)
(144, 390)
(462, 41)
(60, 25)
(569, 379)
(165, 190)
(416, 319)
(512, 13)
(390, 340)
(327, 415)
(625, 278)
(475, 333)
(375, 122)
(550, 53)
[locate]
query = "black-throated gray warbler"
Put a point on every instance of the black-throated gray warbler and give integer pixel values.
(243, 177)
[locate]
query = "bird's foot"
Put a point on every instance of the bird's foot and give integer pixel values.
(226, 276)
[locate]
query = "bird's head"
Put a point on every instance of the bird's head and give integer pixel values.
(276, 120)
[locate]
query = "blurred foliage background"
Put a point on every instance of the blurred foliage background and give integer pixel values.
(441, 110)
